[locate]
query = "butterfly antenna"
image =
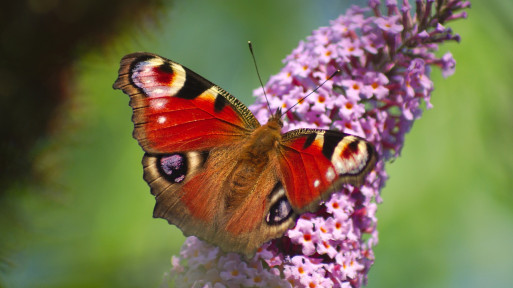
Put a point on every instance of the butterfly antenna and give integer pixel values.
(301, 100)
(258, 74)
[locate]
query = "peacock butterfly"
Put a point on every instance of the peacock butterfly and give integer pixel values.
(215, 171)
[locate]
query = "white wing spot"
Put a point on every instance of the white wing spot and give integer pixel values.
(161, 119)
(158, 103)
(317, 183)
(330, 174)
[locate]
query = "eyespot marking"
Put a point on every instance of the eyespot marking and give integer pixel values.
(173, 167)
(351, 156)
(280, 210)
(157, 78)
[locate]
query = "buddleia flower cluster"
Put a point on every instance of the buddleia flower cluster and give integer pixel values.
(385, 53)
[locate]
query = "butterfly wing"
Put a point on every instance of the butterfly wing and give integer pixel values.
(191, 131)
(314, 163)
(176, 110)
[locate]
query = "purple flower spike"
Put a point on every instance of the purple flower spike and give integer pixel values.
(385, 63)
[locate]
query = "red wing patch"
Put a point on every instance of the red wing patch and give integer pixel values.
(176, 110)
(316, 162)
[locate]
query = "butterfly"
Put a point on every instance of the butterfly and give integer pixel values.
(216, 172)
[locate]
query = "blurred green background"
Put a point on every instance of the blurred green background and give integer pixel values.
(447, 215)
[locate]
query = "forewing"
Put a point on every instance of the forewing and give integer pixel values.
(314, 163)
(176, 110)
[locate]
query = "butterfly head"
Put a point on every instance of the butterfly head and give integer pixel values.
(276, 118)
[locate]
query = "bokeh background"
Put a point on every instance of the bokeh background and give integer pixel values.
(75, 212)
